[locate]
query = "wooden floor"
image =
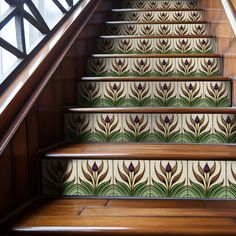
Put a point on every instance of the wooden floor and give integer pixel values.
(127, 217)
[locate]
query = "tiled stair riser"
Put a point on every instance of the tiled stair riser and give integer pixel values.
(154, 94)
(156, 29)
(158, 16)
(151, 128)
(157, 46)
(140, 178)
(159, 67)
(160, 4)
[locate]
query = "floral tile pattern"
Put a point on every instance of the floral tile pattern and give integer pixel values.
(95, 178)
(59, 177)
(131, 178)
(231, 179)
(168, 179)
(207, 179)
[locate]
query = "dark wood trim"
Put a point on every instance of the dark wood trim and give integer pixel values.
(155, 37)
(156, 22)
(155, 10)
(50, 64)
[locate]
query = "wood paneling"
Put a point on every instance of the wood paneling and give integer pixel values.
(226, 39)
(44, 124)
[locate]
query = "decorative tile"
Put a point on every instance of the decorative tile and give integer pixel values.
(130, 29)
(141, 67)
(164, 16)
(119, 66)
(191, 94)
(133, 16)
(106, 46)
(178, 4)
(148, 16)
(163, 46)
(144, 46)
(217, 94)
(194, 16)
(137, 127)
(166, 128)
(199, 29)
(183, 45)
(59, 177)
(112, 29)
(209, 66)
(124, 46)
(98, 67)
(165, 94)
(231, 179)
(147, 29)
(79, 127)
(131, 178)
(179, 16)
(164, 67)
(197, 128)
(90, 94)
(164, 29)
(207, 179)
(186, 67)
(139, 94)
(204, 45)
(107, 128)
(181, 29)
(115, 94)
(168, 179)
(95, 178)
(224, 128)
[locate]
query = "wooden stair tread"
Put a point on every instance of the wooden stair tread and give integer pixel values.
(154, 36)
(213, 55)
(154, 10)
(142, 151)
(164, 110)
(156, 22)
(219, 78)
(122, 220)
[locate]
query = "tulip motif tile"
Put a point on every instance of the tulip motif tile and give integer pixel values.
(207, 179)
(131, 178)
(59, 177)
(168, 179)
(95, 178)
(231, 179)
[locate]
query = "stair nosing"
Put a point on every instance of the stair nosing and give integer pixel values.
(157, 22)
(154, 110)
(154, 10)
(156, 37)
(90, 78)
(106, 55)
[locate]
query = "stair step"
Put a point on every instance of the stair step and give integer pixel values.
(154, 36)
(121, 56)
(157, 46)
(155, 110)
(155, 10)
(177, 79)
(130, 217)
(142, 151)
(160, 22)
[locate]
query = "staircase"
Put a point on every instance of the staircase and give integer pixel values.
(152, 111)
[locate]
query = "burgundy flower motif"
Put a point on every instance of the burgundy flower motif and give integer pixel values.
(95, 167)
(107, 120)
(206, 168)
(197, 120)
(131, 167)
(168, 168)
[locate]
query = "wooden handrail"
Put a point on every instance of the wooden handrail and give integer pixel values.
(47, 56)
(230, 7)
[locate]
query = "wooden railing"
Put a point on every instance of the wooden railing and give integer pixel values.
(33, 120)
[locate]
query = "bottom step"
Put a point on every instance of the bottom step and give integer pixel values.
(141, 171)
(127, 217)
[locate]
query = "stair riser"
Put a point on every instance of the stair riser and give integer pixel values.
(162, 5)
(151, 128)
(157, 29)
(154, 94)
(140, 178)
(171, 67)
(159, 16)
(157, 46)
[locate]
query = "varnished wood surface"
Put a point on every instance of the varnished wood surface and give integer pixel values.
(144, 151)
(164, 110)
(116, 217)
(153, 10)
(154, 79)
(156, 37)
(156, 22)
(214, 55)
